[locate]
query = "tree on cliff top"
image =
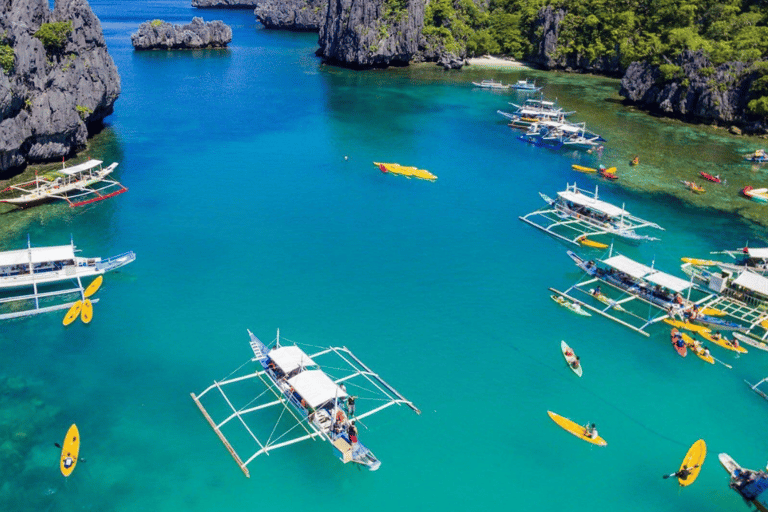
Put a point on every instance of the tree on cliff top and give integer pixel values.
(54, 35)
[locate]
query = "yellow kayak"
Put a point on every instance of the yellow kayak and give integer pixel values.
(605, 300)
(86, 314)
(93, 287)
(712, 312)
(697, 261)
(581, 168)
(405, 171)
(722, 341)
(697, 349)
(69, 451)
(693, 460)
(576, 429)
(592, 243)
(687, 326)
(73, 313)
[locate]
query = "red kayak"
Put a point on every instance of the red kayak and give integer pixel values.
(707, 176)
(675, 335)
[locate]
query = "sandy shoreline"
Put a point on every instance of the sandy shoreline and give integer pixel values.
(496, 62)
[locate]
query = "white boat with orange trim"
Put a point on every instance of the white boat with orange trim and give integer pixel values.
(77, 185)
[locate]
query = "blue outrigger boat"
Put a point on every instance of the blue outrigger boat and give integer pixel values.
(751, 485)
(321, 405)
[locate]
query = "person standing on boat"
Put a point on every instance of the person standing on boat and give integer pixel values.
(352, 432)
(351, 406)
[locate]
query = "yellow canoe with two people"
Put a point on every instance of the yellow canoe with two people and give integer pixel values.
(405, 171)
(574, 428)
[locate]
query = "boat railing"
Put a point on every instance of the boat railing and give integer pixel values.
(116, 261)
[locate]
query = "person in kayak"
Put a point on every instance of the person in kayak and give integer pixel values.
(683, 473)
(590, 431)
(575, 363)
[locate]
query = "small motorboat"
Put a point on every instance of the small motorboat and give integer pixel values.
(759, 195)
(713, 179)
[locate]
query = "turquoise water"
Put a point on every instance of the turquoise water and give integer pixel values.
(244, 213)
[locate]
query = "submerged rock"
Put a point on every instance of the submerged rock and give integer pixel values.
(374, 33)
(158, 34)
(300, 15)
(60, 84)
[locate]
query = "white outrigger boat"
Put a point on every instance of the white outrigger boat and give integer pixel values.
(739, 294)
(491, 84)
(75, 185)
(559, 134)
(36, 274)
(749, 258)
(320, 404)
(525, 86)
(576, 214)
(636, 282)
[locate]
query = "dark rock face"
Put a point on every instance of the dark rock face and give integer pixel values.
(365, 33)
(198, 34)
(699, 93)
(550, 56)
(299, 15)
(450, 61)
(548, 24)
(240, 4)
(50, 97)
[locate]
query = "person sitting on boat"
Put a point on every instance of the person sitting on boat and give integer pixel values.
(717, 335)
(597, 292)
(678, 298)
(705, 351)
(68, 461)
(575, 363)
(568, 352)
(352, 433)
(636, 160)
(590, 431)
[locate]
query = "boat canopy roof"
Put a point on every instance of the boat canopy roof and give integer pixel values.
(760, 253)
(754, 282)
(591, 202)
(290, 358)
(628, 266)
(90, 164)
(38, 255)
(566, 127)
(668, 281)
(316, 387)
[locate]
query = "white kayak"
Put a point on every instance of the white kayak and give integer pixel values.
(570, 358)
(752, 342)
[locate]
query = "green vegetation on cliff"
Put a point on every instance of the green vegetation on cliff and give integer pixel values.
(54, 35)
(6, 58)
(631, 30)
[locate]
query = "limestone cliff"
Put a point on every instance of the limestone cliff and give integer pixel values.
(154, 35)
(300, 15)
(52, 93)
(549, 53)
(371, 33)
(692, 89)
(240, 4)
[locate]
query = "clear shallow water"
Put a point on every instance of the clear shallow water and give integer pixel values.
(244, 213)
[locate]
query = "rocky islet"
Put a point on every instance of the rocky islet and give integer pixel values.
(161, 35)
